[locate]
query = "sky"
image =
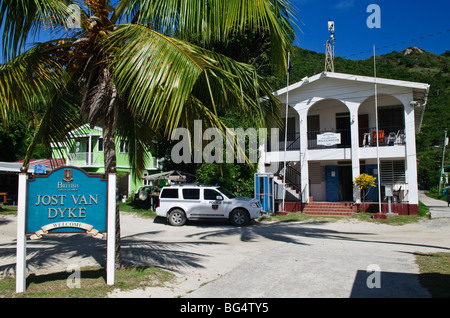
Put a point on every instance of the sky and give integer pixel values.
(402, 23)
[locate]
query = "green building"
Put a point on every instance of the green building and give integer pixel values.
(84, 149)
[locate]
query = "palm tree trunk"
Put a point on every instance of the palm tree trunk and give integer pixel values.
(109, 128)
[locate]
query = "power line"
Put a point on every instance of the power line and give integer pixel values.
(398, 43)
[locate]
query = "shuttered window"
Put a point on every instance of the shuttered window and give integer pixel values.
(392, 171)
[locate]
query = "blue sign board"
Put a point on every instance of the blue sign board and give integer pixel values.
(39, 168)
(67, 200)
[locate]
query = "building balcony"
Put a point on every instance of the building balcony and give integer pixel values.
(293, 143)
(387, 136)
(85, 159)
(338, 138)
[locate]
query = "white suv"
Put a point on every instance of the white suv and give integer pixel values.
(179, 203)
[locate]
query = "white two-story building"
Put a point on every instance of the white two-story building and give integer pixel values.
(332, 139)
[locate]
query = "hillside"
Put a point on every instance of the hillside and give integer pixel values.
(412, 64)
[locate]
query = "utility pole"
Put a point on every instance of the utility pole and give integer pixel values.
(442, 161)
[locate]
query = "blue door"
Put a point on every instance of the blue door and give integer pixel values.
(332, 183)
(264, 191)
(372, 196)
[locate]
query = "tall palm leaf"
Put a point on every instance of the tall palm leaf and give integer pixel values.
(132, 68)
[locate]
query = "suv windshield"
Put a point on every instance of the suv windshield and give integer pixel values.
(227, 192)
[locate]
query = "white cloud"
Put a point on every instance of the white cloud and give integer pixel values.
(345, 4)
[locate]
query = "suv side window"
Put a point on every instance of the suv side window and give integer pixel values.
(191, 194)
(169, 194)
(210, 194)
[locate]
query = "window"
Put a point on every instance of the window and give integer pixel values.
(210, 194)
(100, 144)
(123, 147)
(313, 123)
(391, 118)
(77, 145)
(191, 194)
(392, 171)
(169, 194)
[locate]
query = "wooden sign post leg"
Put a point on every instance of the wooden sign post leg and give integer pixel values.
(21, 249)
(111, 228)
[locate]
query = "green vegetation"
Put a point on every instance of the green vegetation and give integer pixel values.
(435, 273)
(363, 216)
(129, 207)
(92, 283)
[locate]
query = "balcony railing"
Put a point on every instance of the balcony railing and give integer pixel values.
(387, 136)
(293, 142)
(85, 158)
(344, 139)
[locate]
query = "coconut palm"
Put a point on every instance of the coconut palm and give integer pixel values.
(130, 66)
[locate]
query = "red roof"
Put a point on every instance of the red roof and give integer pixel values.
(53, 163)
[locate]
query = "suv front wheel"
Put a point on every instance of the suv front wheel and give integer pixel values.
(240, 217)
(177, 217)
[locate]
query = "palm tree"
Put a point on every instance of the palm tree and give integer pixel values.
(130, 66)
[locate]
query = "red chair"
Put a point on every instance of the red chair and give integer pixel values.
(380, 137)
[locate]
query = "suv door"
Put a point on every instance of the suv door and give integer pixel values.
(212, 205)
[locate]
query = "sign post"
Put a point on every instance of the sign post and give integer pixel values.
(68, 200)
(111, 238)
(21, 249)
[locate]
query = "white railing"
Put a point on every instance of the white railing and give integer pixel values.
(85, 158)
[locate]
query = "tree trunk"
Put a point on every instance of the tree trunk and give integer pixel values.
(109, 150)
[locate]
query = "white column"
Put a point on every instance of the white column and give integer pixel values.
(111, 230)
(354, 130)
(89, 151)
(302, 111)
(21, 249)
(410, 149)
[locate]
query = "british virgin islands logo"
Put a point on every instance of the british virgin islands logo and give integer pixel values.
(66, 183)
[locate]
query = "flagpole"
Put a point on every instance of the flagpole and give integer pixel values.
(376, 129)
(285, 132)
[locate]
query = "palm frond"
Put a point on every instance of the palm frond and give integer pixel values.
(26, 80)
(138, 138)
(61, 116)
(208, 21)
(24, 18)
(154, 72)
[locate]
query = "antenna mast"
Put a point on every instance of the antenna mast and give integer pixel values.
(329, 53)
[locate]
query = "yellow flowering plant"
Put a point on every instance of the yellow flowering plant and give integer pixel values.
(365, 181)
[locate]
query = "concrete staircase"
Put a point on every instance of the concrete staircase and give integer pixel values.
(291, 189)
(330, 208)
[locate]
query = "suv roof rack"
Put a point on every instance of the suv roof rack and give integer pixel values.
(189, 185)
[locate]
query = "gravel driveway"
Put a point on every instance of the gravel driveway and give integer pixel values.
(215, 259)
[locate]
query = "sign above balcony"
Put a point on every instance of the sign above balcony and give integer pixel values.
(328, 139)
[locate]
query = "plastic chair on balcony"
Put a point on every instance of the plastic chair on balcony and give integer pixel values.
(400, 137)
(391, 138)
(380, 137)
(366, 140)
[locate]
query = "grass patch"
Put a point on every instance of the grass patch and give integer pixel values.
(8, 210)
(299, 217)
(92, 283)
(362, 216)
(435, 273)
(129, 207)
